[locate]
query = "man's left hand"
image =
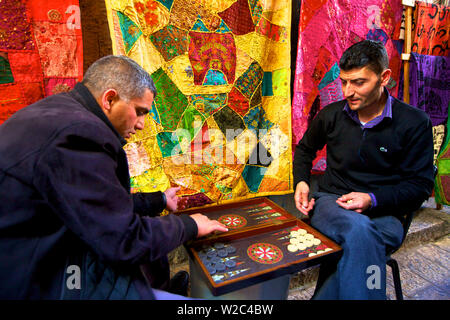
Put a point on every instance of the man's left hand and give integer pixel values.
(172, 198)
(356, 201)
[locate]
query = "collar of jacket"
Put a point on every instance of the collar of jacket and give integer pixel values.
(85, 97)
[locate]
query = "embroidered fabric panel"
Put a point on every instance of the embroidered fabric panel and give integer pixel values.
(431, 30)
(41, 51)
(326, 29)
(220, 126)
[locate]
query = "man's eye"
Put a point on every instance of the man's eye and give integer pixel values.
(141, 113)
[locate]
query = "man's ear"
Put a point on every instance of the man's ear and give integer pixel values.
(385, 77)
(107, 99)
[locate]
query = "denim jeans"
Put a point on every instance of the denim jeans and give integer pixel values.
(360, 273)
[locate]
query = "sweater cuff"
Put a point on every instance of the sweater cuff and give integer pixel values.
(374, 200)
(164, 200)
(191, 230)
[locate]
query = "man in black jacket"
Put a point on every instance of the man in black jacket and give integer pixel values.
(379, 167)
(69, 227)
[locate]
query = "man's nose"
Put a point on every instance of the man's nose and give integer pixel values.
(348, 90)
(140, 123)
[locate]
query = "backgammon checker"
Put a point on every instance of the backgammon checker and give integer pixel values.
(255, 259)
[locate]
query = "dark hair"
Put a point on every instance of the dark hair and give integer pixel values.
(366, 53)
(120, 73)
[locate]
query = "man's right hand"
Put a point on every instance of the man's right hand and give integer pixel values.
(206, 226)
(301, 198)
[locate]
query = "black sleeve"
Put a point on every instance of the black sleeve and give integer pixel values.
(149, 203)
(313, 140)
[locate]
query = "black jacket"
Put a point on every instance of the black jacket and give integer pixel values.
(65, 201)
(393, 160)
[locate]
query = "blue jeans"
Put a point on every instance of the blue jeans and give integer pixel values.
(360, 273)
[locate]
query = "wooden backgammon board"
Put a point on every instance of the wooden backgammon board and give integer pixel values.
(264, 242)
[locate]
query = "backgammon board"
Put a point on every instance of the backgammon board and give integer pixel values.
(264, 241)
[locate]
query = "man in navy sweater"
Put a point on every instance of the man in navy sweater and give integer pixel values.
(379, 167)
(69, 226)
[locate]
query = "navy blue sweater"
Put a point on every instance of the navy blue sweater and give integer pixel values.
(393, 160)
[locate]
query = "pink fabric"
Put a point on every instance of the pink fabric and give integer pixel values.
(325, 31)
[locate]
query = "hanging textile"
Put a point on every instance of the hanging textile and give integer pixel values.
(220, 126)
(326, 29)
(429, 85)
(442, 181)
(431, 29)
(41, 51)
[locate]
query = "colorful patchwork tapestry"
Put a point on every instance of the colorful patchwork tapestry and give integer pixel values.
(326, 29)
(41, 51)
(220, 126)
(431, 30)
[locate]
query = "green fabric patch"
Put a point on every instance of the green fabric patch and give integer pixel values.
(267, 89)
(166, 3)
(191, 123)
(168, 143)
(229, 122)
(330, 76)
(130, 31)
(170, 101)
(208, 103)
(6, 75)
(280, 81)
(253, 176)
(256, 121)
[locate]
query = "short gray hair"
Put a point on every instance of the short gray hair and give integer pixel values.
(120, 73)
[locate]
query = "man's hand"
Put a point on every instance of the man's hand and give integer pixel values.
(206, 226)
(356, 201)
(172, 198)
(301, 198)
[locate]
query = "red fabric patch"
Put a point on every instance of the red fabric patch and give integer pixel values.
(238, 17)
(212, 51)
(270, 30)
(58, 85)
(445, 181)
(32, 92)
(10, 101)
(26, 66)
(58, 49)
(238, 102)
(54, 10)
(201, 141)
